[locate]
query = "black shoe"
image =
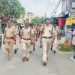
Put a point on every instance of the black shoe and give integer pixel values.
(30, 52)
(27, 59)
(33, 49)
(15, 51)
(54, 52)
(51, 48)
(74, 57)
(40, 46)
(44, 63)
(23, 59)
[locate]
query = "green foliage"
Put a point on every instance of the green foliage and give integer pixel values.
(38, 20)
(62, 48)
(12, 8)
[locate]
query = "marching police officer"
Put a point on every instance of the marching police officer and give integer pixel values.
(33, 37)
(47, 36)
(9, 39)
(26, 42)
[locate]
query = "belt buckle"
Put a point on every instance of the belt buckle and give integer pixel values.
(47, 37)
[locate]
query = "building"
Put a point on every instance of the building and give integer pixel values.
(73, 8)
(30, 16)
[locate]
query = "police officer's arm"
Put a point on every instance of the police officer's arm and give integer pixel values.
(42, 30)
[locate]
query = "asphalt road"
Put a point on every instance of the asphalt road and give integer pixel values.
(58, 64)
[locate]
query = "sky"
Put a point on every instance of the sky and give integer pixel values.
(39, 7)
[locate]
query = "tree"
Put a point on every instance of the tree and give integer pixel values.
(38, 20)
(12, 8)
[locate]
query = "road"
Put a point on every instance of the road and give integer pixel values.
(58, 64)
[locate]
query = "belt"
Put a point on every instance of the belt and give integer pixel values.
(9, 37)
(47, 37)
(26, 39)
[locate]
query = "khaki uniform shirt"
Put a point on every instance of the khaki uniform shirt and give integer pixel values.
(47, 30)
(10, 32)
(26, 33)
(33, 31)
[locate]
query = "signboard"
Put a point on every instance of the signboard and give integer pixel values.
(73, 20)
(69, 21)
(69, 35)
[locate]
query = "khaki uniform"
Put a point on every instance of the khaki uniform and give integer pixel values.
(33, 39)
(73, 39)
(26, 42)
(55, 42)
(16, 46)
(9, 40)
(0, 38)
(46, 40)
(41, 36)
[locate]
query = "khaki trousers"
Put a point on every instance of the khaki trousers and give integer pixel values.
(46, 43)
(26, 46)
(9, 43)
(55, 44)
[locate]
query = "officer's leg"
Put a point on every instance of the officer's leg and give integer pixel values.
(40, 41)
(0, 41)
(31, 49)
(34, 46)
(11, 48)
(49, 44)
(28, 49)
(15, 49)
(44, 51)
(23, 50)
(55, 46)
(74, 51)
(7, 47)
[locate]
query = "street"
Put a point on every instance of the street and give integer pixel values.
(58, 64)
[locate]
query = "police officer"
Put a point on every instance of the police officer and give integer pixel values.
(47, 36)
(33, 37)
(9, 39)
(56, 39)
(26, 42)
(41, 36)
(0, 37)
(73, 43)
(17, 38)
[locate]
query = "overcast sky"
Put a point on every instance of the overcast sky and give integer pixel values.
(39, 7)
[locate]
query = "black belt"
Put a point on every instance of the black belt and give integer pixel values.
(47, 37)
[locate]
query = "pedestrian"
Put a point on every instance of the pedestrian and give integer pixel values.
(9, 39)
(26, 42)
(47, 36)
(73, 43)
(56, 39)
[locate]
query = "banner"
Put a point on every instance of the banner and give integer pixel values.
(73, 20)
(69, 21)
